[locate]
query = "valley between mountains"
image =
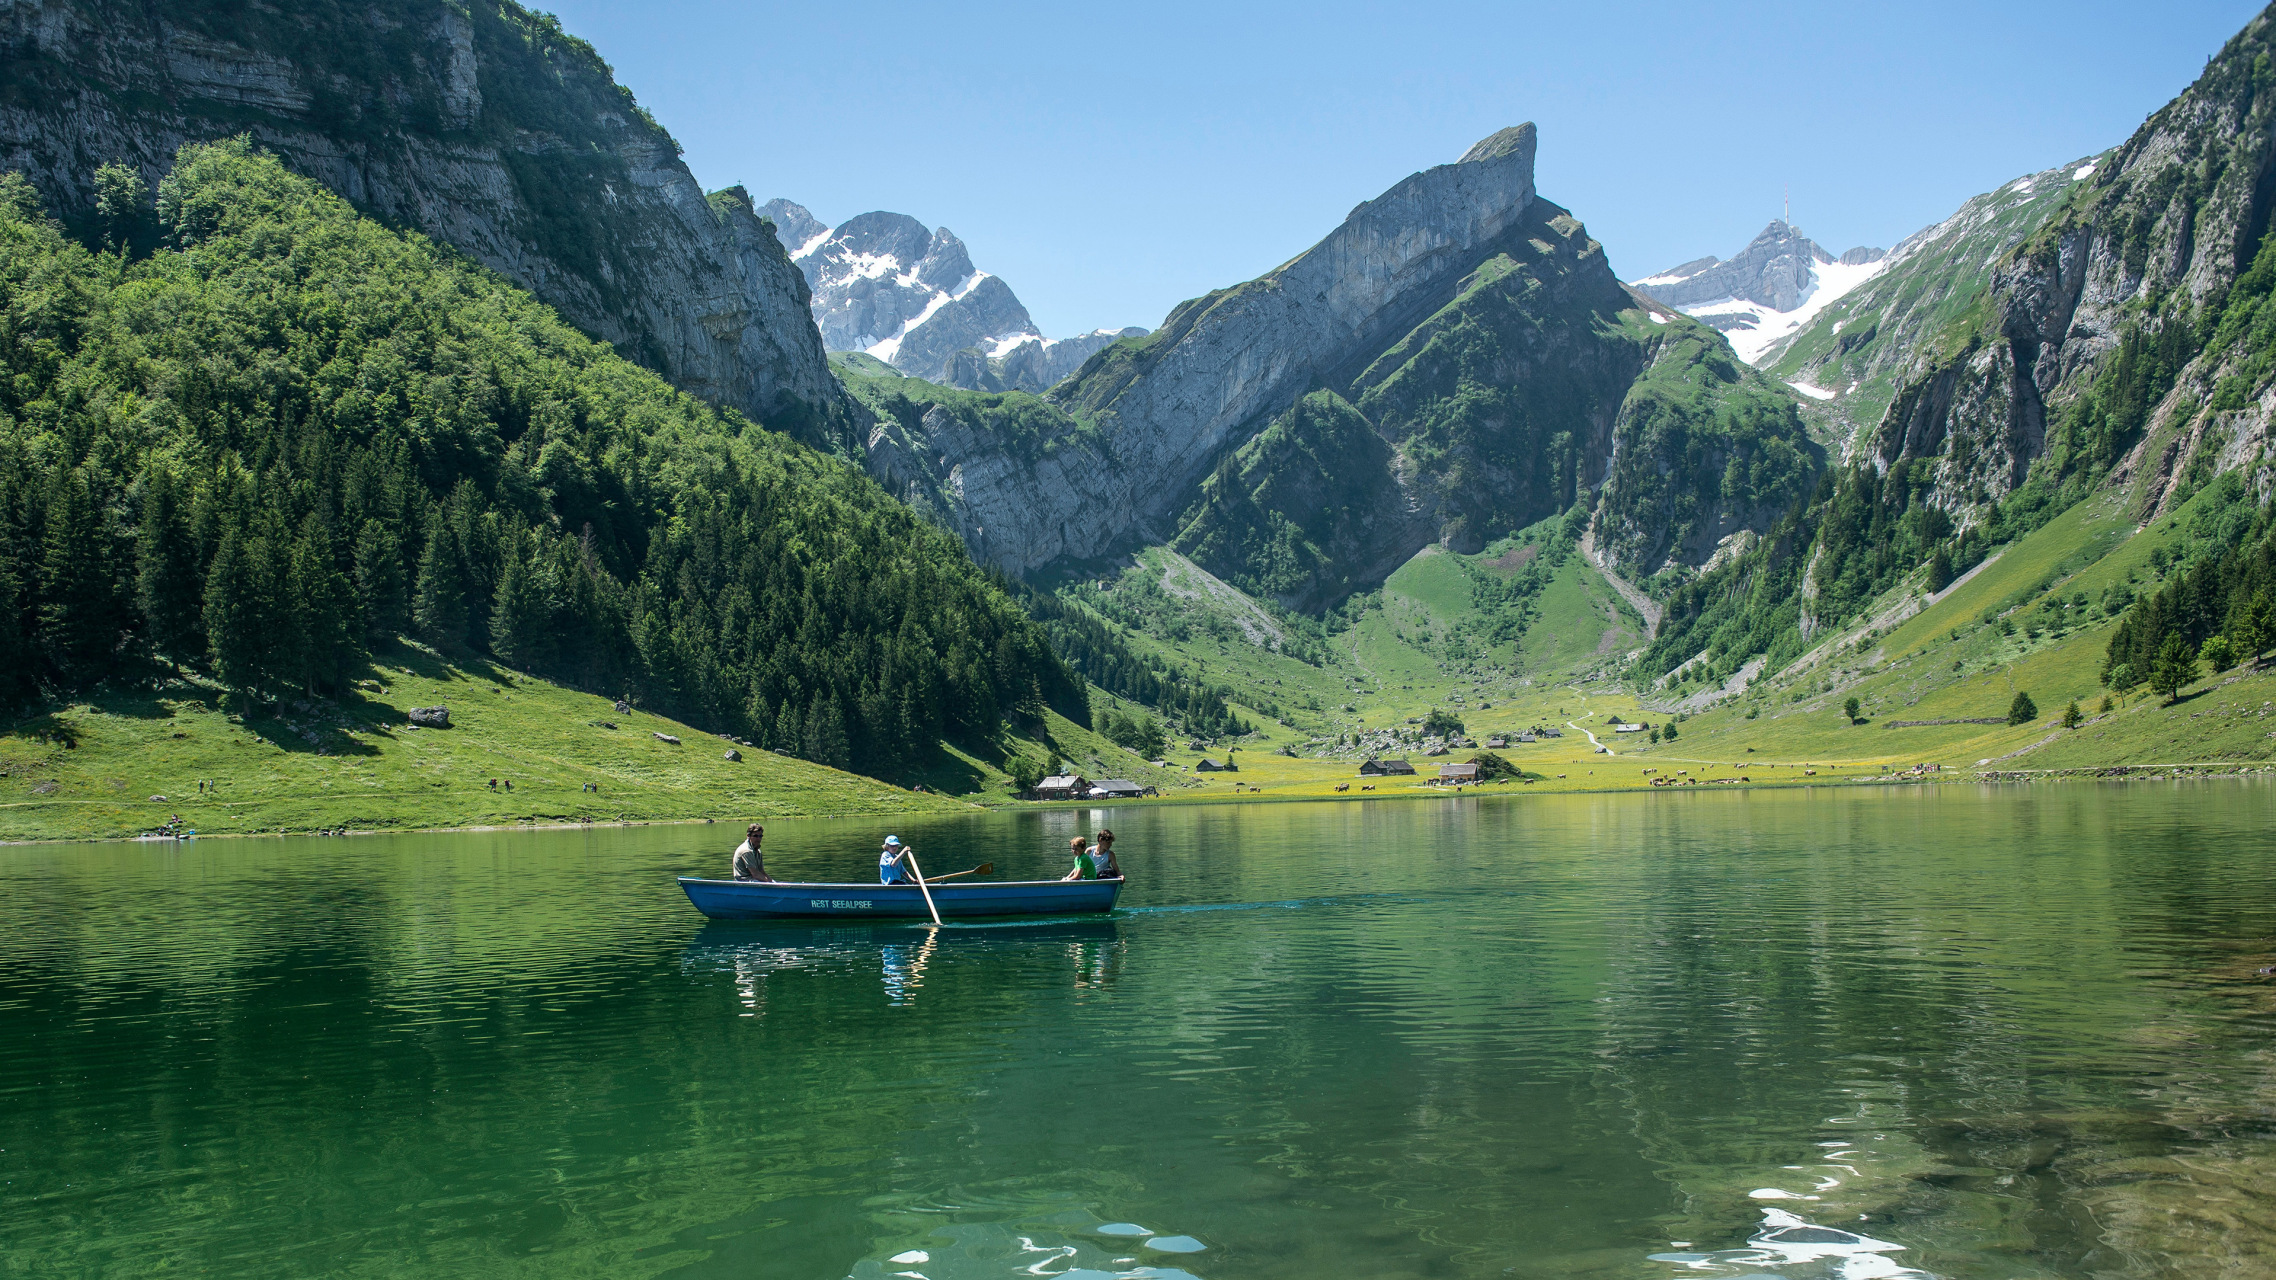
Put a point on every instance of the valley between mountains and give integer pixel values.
(371, 359)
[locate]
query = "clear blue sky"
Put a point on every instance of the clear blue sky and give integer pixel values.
(1109, 161)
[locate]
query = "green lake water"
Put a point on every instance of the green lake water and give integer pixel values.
(1963, 1032)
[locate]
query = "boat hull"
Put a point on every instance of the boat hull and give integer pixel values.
(781, 900)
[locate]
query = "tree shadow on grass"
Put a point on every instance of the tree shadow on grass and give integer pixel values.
(941, 771)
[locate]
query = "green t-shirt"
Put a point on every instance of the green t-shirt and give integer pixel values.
(1085, 869)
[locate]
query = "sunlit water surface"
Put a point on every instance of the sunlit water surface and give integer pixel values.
(1878, 1032)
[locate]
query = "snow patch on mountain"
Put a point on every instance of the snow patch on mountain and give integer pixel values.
(1767, 293)
(1754, 328)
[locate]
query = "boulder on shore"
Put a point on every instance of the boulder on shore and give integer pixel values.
(430, 717)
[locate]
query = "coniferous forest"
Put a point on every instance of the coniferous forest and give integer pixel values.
(253, 433)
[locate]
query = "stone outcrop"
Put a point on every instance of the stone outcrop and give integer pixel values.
(485, 126)
(429, 717)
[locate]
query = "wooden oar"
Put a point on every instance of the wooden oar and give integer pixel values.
(914, 870)
(981, 870)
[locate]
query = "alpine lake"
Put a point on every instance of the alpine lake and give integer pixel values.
(1955, 1030)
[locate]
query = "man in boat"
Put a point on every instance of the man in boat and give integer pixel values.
(893, 863)
(750, 864)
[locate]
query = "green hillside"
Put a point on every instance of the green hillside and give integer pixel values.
(1523, 618)
(261, 450)
(2036, 619)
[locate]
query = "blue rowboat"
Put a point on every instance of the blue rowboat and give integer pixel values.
(778, 900)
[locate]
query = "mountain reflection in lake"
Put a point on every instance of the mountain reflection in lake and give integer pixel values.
(1874, 1032)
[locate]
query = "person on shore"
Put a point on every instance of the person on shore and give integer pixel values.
(1083, 869)
(750, 864)
(893, 862)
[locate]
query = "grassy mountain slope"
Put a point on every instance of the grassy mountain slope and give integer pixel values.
(2037, 619)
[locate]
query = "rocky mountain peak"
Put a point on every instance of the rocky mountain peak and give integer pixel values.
(1517, 140)
(1768, 291)
(908, 294)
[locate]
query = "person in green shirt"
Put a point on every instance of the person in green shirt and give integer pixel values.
(1083, 868)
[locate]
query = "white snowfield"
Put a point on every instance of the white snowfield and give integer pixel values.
(1829, 282)
(891, 346)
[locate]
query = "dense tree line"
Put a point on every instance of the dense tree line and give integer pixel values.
(1102, 657)
(2220, 603)
(286, 432)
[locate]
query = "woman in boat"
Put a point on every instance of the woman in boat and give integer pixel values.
(750, 864)
(1083, 869)
(1103, 865)
(893, 862)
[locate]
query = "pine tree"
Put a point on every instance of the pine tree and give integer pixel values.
(379, 580)
(324, 612)
(234, 627)
(438, 608)
(167, 591)
(15, 647)
(1939, 570)
(825, 735)
(789, 735)
(2174, 668)
(78, 615)
(2023, 710)
(517, 620)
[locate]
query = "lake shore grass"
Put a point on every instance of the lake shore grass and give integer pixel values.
(122, 764)
(114, 767)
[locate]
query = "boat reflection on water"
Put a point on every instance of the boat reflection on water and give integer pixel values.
(1085, 954)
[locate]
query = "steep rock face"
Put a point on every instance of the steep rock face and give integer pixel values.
(483, 125)
(1454, 362)
(1032, 364)
(2154, 240)
(887, 285)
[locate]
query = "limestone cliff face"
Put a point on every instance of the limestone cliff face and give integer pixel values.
(1456, 361)
(1156, 413)
(2159, 232)
(481, 124)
